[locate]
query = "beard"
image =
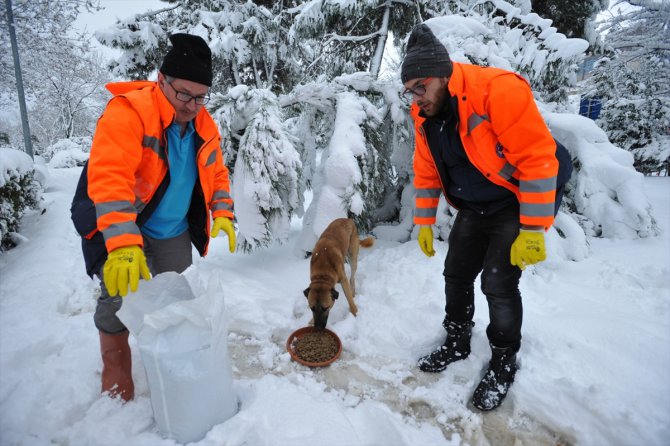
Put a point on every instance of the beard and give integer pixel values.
(432, 106)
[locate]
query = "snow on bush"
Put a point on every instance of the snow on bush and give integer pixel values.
(19, 191)
(68, 152)
(605, 189)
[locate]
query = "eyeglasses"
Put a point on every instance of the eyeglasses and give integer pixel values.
(418, 90)
(185, 97)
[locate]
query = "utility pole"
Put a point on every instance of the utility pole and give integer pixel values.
(19, 80)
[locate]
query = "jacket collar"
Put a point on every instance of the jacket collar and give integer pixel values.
(457, 81)
(165, 109)
(203, 122)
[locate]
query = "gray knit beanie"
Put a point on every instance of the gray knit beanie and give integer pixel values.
(426, 56)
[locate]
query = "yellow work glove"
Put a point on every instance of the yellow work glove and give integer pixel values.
(227, 225)
(528, 248)
(124, 266)
(426, 240)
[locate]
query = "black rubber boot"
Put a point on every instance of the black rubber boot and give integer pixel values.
(493, 388)
(455, 347)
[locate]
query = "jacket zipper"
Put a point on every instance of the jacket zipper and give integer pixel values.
(439, 177)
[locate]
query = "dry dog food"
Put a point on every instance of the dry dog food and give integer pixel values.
(318, 346)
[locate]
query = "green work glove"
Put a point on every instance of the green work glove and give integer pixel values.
(124, 266)
(426, 240)
(528, 248)
(227, 225)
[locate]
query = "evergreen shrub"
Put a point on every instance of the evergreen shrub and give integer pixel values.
(19, 192)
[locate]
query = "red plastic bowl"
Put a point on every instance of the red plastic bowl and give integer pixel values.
(303, 331)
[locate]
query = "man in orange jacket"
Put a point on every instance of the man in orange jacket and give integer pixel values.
(481, 141)
(154, 175)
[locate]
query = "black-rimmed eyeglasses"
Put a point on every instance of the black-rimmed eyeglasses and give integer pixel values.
(418, 90)
(185, 97)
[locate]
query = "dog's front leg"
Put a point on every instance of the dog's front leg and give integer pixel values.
(344, 281)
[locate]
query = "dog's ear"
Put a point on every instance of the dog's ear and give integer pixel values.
(334, 293)
(306, 292)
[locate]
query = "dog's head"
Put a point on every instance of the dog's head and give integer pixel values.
(320, 301)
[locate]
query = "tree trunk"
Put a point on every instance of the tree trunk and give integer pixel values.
(235, 70)
(376, 63)
(257, 77)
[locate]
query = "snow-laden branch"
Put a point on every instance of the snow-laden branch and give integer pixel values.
(648, 48)
(338, 38)
(150, 14)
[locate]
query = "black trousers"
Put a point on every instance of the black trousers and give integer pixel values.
(481, 243)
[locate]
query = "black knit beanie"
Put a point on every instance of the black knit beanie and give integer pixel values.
(426, 56)
(189, 58)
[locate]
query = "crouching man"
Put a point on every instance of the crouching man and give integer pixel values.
(481, 141)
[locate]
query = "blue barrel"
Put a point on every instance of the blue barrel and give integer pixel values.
(590, 106)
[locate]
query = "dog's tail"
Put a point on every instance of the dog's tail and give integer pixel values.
(367, 242)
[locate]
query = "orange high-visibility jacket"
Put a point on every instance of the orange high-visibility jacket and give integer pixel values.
(504, 137)
(128, 163)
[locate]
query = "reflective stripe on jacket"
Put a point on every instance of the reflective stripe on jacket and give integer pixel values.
(128, 163)
(504, 137)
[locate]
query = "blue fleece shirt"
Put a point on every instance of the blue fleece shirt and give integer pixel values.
(169, 218)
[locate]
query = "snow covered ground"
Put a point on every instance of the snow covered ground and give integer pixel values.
(595, 358)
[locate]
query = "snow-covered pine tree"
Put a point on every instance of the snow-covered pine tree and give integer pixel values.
(634, 83)
(574, 18)
(347, 36)
(535, 48)
(546, 57)
(322, 37)
(248, 45)
(267, 166)
(348, 179)
(635, 114)
(396, 202)
(343, 42)
(302, 130)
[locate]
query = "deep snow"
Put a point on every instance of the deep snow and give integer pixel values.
(595, 358)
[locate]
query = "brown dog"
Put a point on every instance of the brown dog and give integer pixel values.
(339, 240)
